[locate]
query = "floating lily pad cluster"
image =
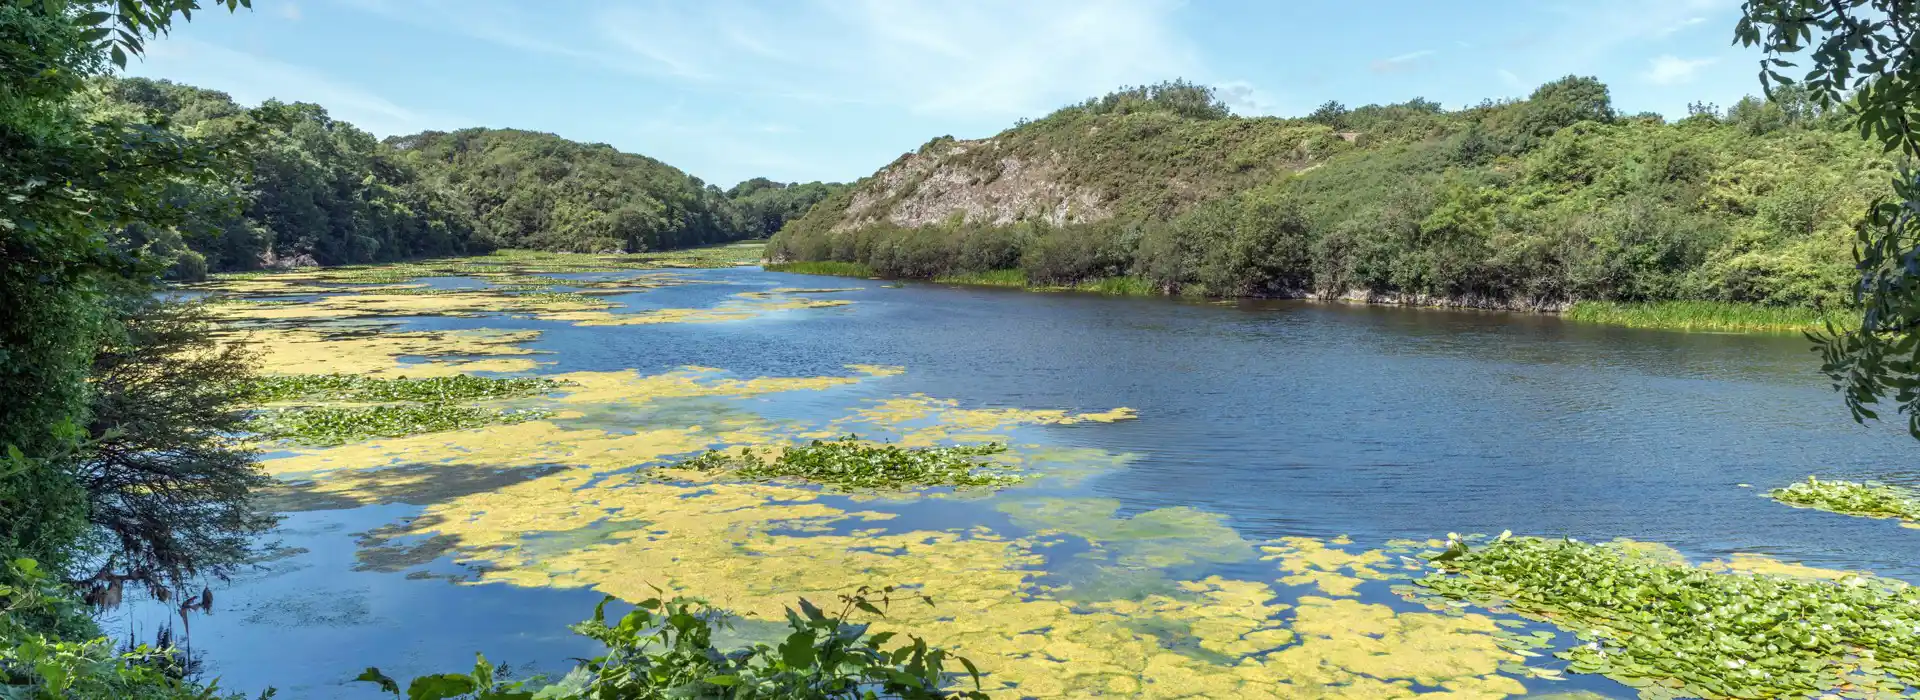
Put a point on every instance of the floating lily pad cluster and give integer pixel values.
(325, 425)
(1866, 499)
(1676, 630)
(850, 462)
(348, 387)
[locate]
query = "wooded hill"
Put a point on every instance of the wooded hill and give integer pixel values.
(322, 191)
(1528, 203)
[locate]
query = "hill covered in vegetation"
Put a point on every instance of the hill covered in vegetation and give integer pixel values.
(1531, 203)
(322, 191)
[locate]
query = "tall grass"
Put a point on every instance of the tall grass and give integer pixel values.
(823, 267)
(1118, 286)
(1014, 277)
(1704, 316)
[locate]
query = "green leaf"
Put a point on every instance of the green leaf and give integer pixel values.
(440, 687)
(373, 675)
(797, 651)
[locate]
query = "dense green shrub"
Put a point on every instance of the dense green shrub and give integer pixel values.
(664, 649)
(1543, 201)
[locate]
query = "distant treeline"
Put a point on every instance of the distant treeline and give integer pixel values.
(1539, 201)
(322, 191)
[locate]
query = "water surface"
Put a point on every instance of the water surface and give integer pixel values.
(1286, 419)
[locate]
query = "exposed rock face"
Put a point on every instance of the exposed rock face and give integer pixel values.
(933, 186)
(273, 262)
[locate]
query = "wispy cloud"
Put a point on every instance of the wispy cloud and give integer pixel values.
(986, 58)
(252, 79)
(1682, 24)
(1673, 70)
(289, 9)
(1248, 100)
(1509, 79)
(1401, 62)
(1585, 36)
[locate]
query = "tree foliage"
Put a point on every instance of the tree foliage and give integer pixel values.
(535, 190)
(1535, 202)
(1858, 56)
(664, 649)
(169, 480)
(73, 183)
(317, 189)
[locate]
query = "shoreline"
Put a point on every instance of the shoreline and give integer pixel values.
(1679, 315)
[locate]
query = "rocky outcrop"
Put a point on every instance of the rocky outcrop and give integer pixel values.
(935, 186)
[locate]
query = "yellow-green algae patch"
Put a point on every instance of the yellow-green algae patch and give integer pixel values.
(1333, 569)
(323, 351)
(1155, 539)
(441, 303)
(925, 420)
(752, 548)
(747, 305)
(728, 543)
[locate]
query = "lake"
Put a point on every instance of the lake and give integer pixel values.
(1245, 509)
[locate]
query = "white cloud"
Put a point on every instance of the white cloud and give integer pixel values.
(1247, 100)
(1511, 80)
(1400, 62)
(986, 58)
(1587, 35)
(289, 9)
(1672, 70)
(252, 79)
(1682, 24)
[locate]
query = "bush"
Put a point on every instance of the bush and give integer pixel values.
(664, 649)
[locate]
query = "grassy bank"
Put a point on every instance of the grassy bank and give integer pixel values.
(823, 267)
(990, 278)
(1016, 278)
(1703, 316)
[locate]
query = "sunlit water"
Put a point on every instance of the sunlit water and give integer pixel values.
(1287, 418)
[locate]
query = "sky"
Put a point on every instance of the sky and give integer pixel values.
(802, 90)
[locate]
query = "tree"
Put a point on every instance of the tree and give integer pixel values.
(1860, 58)
(1332, 113)
(69, 183)
(169, 483)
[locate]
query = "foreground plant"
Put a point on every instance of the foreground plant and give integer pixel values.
(1870, 499)
(1675, 630)
(664, 649)
(852, 463)
(332, 426)
(36, 666)
(348, 387)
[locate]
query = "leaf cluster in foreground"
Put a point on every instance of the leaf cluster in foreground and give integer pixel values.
(664, 649)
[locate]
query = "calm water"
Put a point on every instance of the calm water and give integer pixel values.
(1289, 418)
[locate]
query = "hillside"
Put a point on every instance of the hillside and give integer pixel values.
(1525, 204)
(537, 190)
(323, 192)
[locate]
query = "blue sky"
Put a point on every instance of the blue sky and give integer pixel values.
(833, 89)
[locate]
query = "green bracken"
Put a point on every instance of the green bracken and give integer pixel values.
(322, 425)
(348, 387)
(854, 464)
(1674, 630)
(1869, 499)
